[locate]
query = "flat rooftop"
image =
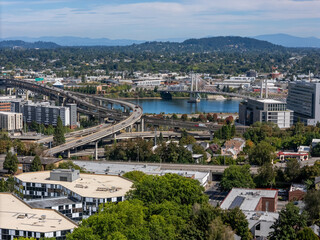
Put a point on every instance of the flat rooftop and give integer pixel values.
(113, 168)
(246, 199)
(269, 101)
(17, 215)
(87, 185)
(51, 202)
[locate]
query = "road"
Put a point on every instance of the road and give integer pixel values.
(85, 106)
(105, 132)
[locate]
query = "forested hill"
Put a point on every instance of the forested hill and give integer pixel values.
(208, 45)
(191, 45)
(21, 44)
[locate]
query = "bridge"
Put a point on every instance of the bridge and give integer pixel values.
(199, 86)
(132, 113)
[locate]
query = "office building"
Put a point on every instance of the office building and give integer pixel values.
(18, 219)
(90, 190)
(11, 121)
(304, 99)
(265, 110)
(258, 205)
(46, 113)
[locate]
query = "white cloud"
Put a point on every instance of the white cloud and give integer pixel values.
(150, 20)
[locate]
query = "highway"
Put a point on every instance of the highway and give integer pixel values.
(85, 106)
(110, 130)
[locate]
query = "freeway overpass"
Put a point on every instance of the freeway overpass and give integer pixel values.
(84, 105)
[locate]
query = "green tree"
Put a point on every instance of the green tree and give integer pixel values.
(174, 116)
(306, 234)
(315, 151)
(170, 187)
(289, 223)
(135, 176)
(125, 219)
(312, 201)
(36, 164)
(266, 176)
(262, 153)
(292, 170)
(237, 176)
(237, 220)
(11, 163)
(58, 136)
(184, 117)
(219, 231)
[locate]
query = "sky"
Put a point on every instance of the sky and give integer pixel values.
(150, 20)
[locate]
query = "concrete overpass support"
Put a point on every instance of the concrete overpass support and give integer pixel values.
(142, 125)
(211, 135)
(111, 106)
(96, 151)
(68, 154)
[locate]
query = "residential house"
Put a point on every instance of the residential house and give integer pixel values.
(233, 147)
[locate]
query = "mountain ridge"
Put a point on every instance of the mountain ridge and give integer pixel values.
(287, 40)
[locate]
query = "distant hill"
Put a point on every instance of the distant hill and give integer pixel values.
(79, 41)
(22, 44)
(290, 41)
(208, 44)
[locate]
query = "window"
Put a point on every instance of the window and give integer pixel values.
(258, 227)
(65, 179)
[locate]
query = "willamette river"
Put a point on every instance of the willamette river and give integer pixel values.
(182, 106)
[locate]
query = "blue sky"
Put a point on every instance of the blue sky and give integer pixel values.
(149, 20)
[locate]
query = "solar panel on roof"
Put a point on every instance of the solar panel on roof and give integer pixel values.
(236, 202)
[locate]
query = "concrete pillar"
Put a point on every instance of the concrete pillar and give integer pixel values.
(96, 151)
(261, 89)
(111, 106)
(27, 95)
(142, 125)
(211, 135)
(69, 153)
(78, 117)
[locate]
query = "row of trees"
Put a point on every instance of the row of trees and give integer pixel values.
(270, 176)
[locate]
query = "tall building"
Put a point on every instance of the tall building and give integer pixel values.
(18, 219)
(11, 121)
(304, 99)
(265, 110)
(73, 114)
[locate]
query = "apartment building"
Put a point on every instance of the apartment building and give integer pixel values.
(46, 113)
(11, 121)
(18, 219)
(90, 190)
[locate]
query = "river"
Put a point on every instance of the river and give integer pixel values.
(182, 106)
